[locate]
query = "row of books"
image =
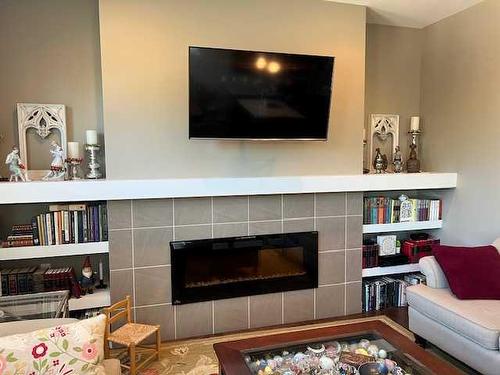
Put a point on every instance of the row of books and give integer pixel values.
(63, 224)
(370, 255)
(384, 210)
(36, 279)
(385, 292)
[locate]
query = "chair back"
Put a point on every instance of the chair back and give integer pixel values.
(121, 310)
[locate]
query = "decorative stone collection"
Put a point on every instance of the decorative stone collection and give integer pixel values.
(332, 358)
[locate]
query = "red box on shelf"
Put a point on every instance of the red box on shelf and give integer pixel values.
(416, 249)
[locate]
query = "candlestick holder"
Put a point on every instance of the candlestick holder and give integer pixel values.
(93, 165)
(413, 163)
(73, 168)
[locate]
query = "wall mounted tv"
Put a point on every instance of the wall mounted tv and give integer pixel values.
(236, 94)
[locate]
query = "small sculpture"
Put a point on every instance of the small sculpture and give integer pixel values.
(16, 167)
(87, 281)
(398, 160)
(57, 165)
(380, 162)
(413, 164)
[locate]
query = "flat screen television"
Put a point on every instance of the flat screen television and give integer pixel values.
(235, 94)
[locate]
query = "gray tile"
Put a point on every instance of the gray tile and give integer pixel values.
(231, 314)
(354, 203)
(331, 267)
(265, 227)
(195, 232)
(330, 301)
(119, 214)
(299, 306)
(354, 232)
(265, 207)
(230, 230)
(331, 233)
(353, 265)
(299, 225)
(330, 204)
(298, 205)
(120, 249)
(193, 211)
(152, 286)
(121, 285)
(162, 315)
(194, 319)
(265, 310)
(230, 209)
(152, 212)
(353, 298)
(152, 246)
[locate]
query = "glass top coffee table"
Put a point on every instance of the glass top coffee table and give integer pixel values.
(34, 306)
(370, 347)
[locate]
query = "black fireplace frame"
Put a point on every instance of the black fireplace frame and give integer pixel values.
(179, 249)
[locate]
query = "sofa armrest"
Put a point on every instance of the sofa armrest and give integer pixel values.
(433, 273)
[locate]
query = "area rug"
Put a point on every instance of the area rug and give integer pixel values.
(197, 357)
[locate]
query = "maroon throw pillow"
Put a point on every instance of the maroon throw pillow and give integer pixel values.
(472, 272)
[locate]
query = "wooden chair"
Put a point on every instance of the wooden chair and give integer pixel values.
(130, 335)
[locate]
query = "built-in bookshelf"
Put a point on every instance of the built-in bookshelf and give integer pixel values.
(402, 227)
(390, 270)
(100, 298)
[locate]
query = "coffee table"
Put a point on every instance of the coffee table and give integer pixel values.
(256, 355)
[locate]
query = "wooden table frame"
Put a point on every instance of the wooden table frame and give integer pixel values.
(231, 361)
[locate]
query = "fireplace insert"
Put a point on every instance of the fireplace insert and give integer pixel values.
(204, 270)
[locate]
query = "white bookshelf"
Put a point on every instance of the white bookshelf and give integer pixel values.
(31, 252)
(401, 227)
(100, 298)
(391, 270)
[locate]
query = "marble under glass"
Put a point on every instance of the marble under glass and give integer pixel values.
(354, 355)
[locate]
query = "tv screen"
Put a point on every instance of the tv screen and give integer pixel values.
(236, 94)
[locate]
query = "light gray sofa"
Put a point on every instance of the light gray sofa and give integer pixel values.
(469, 330)
(111, 366)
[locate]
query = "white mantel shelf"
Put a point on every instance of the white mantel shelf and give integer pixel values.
(94, 190)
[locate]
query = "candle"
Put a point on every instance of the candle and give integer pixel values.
(91, 136)
(364, 134)
(415, 123)
(73, 150)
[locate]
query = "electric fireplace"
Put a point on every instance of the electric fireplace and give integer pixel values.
(204, 270)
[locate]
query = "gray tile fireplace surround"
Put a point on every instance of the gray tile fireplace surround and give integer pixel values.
(140, 232)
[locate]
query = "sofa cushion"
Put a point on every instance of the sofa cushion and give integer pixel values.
(75, 348)
(477, 320)
(24, 326)
(472, 273)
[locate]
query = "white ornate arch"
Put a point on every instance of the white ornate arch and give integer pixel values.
(44, 118)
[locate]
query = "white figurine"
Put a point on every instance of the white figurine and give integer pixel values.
(57, 165)
(16, 166)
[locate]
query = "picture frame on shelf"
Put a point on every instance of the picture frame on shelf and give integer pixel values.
(44, 124)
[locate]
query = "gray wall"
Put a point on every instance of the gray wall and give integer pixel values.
(144, 62)
(461, 110)
(140, 258)
(393, 75)
(49, 54)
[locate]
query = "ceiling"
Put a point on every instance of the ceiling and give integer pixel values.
(410, 13)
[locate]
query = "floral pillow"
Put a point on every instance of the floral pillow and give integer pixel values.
(71, 349)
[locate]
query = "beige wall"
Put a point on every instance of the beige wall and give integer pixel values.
(461, 110)
(49, 53)
(144, 62)
(393, 73)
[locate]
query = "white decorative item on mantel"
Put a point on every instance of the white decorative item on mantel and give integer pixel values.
(384, 134)
(45, 119)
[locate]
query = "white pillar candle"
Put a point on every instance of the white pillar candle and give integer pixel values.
(364, 134)
(73, 150)
(101, 273)
(415, 123)
(91, 137)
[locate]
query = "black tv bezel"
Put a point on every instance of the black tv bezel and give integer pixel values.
(281, 139)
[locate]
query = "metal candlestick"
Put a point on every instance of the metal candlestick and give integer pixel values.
(414, 136)
(413, 163)
(74, 164)
(365, 161)
(93, 164)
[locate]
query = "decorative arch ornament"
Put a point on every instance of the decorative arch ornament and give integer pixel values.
(44, 118)
(384, 127)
